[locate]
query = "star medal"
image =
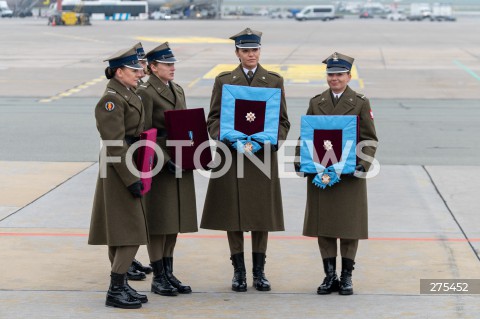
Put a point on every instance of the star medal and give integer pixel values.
(325, 179)
(190, 135)
(250, 117)
(248, 147)
(327, 145)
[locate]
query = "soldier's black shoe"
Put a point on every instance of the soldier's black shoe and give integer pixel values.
(117, 295)
(160, 283)
(346, 285)
(260, 282)
(330, 283)
(239, 280)
(133, 274)
(138, 266)
(168, 267)
(132, 292)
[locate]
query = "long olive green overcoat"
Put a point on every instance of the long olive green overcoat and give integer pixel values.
(254, 202)
(170, 204)
(117, 217)
(341, 211)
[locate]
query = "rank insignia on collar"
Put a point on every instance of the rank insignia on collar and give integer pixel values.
(109, 106)
(250, 117)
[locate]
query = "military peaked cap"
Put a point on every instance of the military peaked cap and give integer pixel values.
(338, 63)
(162, 54)
(127, 58)
(247, 39)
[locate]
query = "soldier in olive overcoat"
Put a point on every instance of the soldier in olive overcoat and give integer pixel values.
(252, 202)
(340, 211)
(118, 219)
(170, 204)
(137, 271)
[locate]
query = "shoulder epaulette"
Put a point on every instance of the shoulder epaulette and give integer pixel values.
(362, 96)
(274, 73)
(224, 73)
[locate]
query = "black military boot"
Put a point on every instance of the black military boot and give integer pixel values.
(260, 282)
(346, 286)
(330, 283)
(134, 274)
(168, 267)
(160, 283)
(138, 266)
(239, 280)
(132, 292)
(117, 295)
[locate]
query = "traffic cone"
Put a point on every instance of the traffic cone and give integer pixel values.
(54, 23)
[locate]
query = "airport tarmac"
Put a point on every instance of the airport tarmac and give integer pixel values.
(423, 80)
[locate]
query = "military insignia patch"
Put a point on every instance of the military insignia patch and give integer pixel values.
(109, 106)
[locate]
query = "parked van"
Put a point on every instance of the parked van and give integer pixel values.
(5, 11)
(324, 12)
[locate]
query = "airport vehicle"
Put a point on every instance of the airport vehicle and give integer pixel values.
(321, 12)
(419, 11)
(107, 7)
(396, 16)
(5, 11)
(442, 12)
(366, 14)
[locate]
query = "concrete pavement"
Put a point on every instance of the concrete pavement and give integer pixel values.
(50, 272)
(422, 80)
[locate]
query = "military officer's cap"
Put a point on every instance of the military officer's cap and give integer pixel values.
(162, 54)
(338, 63)
(247, 39)
(140, 51)
(127, 58)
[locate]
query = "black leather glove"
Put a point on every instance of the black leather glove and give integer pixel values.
(172, 167)
(360, 168)
(297, 170)
(136, 189)
(228, 143)
(297, 167)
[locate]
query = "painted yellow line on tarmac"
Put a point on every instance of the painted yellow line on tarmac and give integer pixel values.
(185, 40)
(192, 84)
(73, 90)
(292, 73)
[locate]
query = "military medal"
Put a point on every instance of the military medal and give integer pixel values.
(250, 117)
(326, 179)
(248, 147)
(190, 135)
(327, 145)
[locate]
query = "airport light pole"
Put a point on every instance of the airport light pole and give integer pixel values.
(219, 9)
